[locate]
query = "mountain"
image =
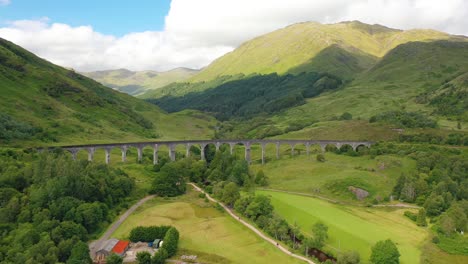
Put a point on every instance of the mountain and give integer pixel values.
(135, 83)
(306, 76)
(353, 44)
(43, 104)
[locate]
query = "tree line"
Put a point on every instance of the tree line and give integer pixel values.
(252, 95)
(51, 205)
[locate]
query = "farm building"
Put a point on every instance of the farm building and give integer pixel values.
(106, 249)
(111, 246)
(121, 247)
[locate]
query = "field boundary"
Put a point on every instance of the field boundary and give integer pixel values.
(398, 205)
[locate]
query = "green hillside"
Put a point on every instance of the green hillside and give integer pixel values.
(306, 44)
(369, 70)
(41, 103)
(135, 83)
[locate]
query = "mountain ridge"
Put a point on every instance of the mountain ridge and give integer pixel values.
(138, 82)
(45, 104)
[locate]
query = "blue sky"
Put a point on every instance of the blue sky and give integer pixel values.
(116, 17)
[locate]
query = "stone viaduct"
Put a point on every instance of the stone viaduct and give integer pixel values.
(171, 145)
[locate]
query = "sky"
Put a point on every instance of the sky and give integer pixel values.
(89, 35)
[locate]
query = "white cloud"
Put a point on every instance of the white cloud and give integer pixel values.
(4, 2)
(197, 32)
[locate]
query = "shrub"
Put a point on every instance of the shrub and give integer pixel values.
(171, 239)
(320, 158)
(410, 215)
(346, 116)
(385, 252)
(148, 234)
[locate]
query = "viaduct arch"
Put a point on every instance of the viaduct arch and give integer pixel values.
(171, 145)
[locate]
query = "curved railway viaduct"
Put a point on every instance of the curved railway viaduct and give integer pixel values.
(171, 145)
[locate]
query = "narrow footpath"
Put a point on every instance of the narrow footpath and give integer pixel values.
(254, 229)
(95, 245)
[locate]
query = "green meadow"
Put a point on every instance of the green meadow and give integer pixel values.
(353, 228)
(205, 231)
(332, 178)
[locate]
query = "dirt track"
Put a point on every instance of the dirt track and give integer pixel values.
(93, 246)
(254, 229)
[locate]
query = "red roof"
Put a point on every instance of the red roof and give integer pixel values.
(120, 247)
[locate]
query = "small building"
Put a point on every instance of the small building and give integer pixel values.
(106, 249)
(157, 243)
(121, 247)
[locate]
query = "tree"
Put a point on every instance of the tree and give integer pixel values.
(307, 243)
(171, 240)
(348, 257)
(260, 205)
(114, 259)
(143, 257)
(160, 257)
(295, 231)
(170, 181)
(421, 220)
(230, 194)
(346, 116)
(80, 254)
(320, 158)
(385, 252)
(320, 231)
(261, 179)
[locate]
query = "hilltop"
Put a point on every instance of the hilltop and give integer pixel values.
(42, 103)
(135, 83)
(301, 79)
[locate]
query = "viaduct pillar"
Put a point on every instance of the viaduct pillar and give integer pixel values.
(277, 150)
(108, 150)
(155, 154)
(202, 151)
(247, 152)
(172, 152)
(124, 153)
(90, 154)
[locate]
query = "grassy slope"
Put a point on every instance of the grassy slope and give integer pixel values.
(135, 83)
(306, 175)
(211, 235)
(353, 228)
(84, 110)
(295, 45)
(393, 84)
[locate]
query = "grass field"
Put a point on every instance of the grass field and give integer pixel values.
(353, 228)
(206, 232)
(333, 177)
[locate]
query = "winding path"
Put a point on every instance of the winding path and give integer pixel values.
(93, 246)
(254, 229)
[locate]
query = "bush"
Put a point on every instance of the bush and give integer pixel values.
(114, 259)
(410, 215)
(171, 239)
(385, 252)
(148, 234)
(348, 257)
(346, 116)
(143, 257)
(320, 157)
(404, 119)
(435, 240)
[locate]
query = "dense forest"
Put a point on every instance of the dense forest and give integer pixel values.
(51, 205)
(252, 95)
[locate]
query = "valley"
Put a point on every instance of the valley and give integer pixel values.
(338, 138)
